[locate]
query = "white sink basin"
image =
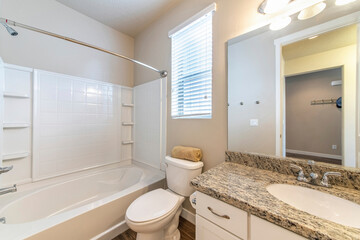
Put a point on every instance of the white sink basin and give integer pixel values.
(317, 203)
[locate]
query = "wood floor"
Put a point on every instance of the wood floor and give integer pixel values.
(317, 159)
(186, 228)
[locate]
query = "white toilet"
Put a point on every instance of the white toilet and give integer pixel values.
(155, 215)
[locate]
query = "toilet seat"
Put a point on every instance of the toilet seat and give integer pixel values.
(152, 206)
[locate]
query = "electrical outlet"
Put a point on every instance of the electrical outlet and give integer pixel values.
(254, 122)
(334, 147)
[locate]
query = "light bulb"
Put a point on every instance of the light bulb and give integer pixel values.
(311, 11)
(313, 37)
(343, 2)
(279, 23)
(272, 6)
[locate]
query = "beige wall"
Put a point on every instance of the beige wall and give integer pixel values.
(313, 128)
(35, 50)
(232, 18)
(341, 57)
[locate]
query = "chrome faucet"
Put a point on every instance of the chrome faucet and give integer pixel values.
(314, 177)
(8, 190)
(5, 169)
(301, 176)
(325, 181)
(3, 220)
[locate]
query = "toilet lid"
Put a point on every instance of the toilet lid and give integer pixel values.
(151, 205)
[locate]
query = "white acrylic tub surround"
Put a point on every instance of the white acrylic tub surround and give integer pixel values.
(77, 124)
(16, 133)
(150, 122)
(31, 211)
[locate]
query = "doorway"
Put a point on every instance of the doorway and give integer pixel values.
(314, 116)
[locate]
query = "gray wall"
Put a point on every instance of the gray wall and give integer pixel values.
(35, 50)
(313, 128)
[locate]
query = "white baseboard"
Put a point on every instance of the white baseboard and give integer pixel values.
(112, 232)
(324, 155)
(188, 215)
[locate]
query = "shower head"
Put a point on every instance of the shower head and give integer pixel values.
(10, 30)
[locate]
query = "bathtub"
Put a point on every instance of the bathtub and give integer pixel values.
(90, 205)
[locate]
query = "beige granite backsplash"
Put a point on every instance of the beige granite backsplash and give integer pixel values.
(350, 177)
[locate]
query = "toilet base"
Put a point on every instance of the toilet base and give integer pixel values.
(170, 232)
(174, 236)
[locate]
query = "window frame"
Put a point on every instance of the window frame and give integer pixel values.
(209, 10)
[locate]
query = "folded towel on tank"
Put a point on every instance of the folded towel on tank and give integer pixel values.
(187, 153)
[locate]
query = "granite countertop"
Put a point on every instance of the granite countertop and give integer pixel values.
(245, 188)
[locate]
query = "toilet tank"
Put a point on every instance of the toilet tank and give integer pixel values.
(179, 173)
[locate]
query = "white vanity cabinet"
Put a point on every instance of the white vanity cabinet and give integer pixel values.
(216, 220)
(229, 219)
(209, 231)
(261, 229)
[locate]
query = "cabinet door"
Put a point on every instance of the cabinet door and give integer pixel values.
(210, 208)
(206, 230)
(262, 229)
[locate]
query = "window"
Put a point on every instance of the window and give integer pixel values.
(191, 59)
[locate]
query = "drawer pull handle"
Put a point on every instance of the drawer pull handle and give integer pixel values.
(223, 216)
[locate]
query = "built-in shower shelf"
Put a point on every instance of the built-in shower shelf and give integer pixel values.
(12, 156)
(127, 142)
(128, 124)
(127, 105)
(15, 95)
(16, 125)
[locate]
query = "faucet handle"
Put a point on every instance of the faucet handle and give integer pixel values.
(5, 169)
(325, 180)
(301, 177)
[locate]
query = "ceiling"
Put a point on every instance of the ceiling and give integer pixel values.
(338, 38)
(127, 16)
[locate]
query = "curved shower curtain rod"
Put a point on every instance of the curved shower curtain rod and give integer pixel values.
(7, 22)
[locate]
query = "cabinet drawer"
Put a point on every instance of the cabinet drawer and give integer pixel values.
(206, 230)
(222, 214)
(262, 229)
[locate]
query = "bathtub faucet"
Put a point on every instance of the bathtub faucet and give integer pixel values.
(8, 190)
(3, 220)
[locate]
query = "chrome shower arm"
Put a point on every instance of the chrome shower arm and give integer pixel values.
(5, 21)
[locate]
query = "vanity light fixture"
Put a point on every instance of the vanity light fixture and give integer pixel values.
(272, 6)
(311, 11)
(313, 37)
(280, 22)
(343, 2)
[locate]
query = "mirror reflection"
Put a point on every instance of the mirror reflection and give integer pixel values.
(310, 110)
(316, 76)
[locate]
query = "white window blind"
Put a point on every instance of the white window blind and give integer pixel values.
(191, 84)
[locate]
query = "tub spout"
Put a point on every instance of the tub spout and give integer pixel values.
(3, 220)
(8, 190)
